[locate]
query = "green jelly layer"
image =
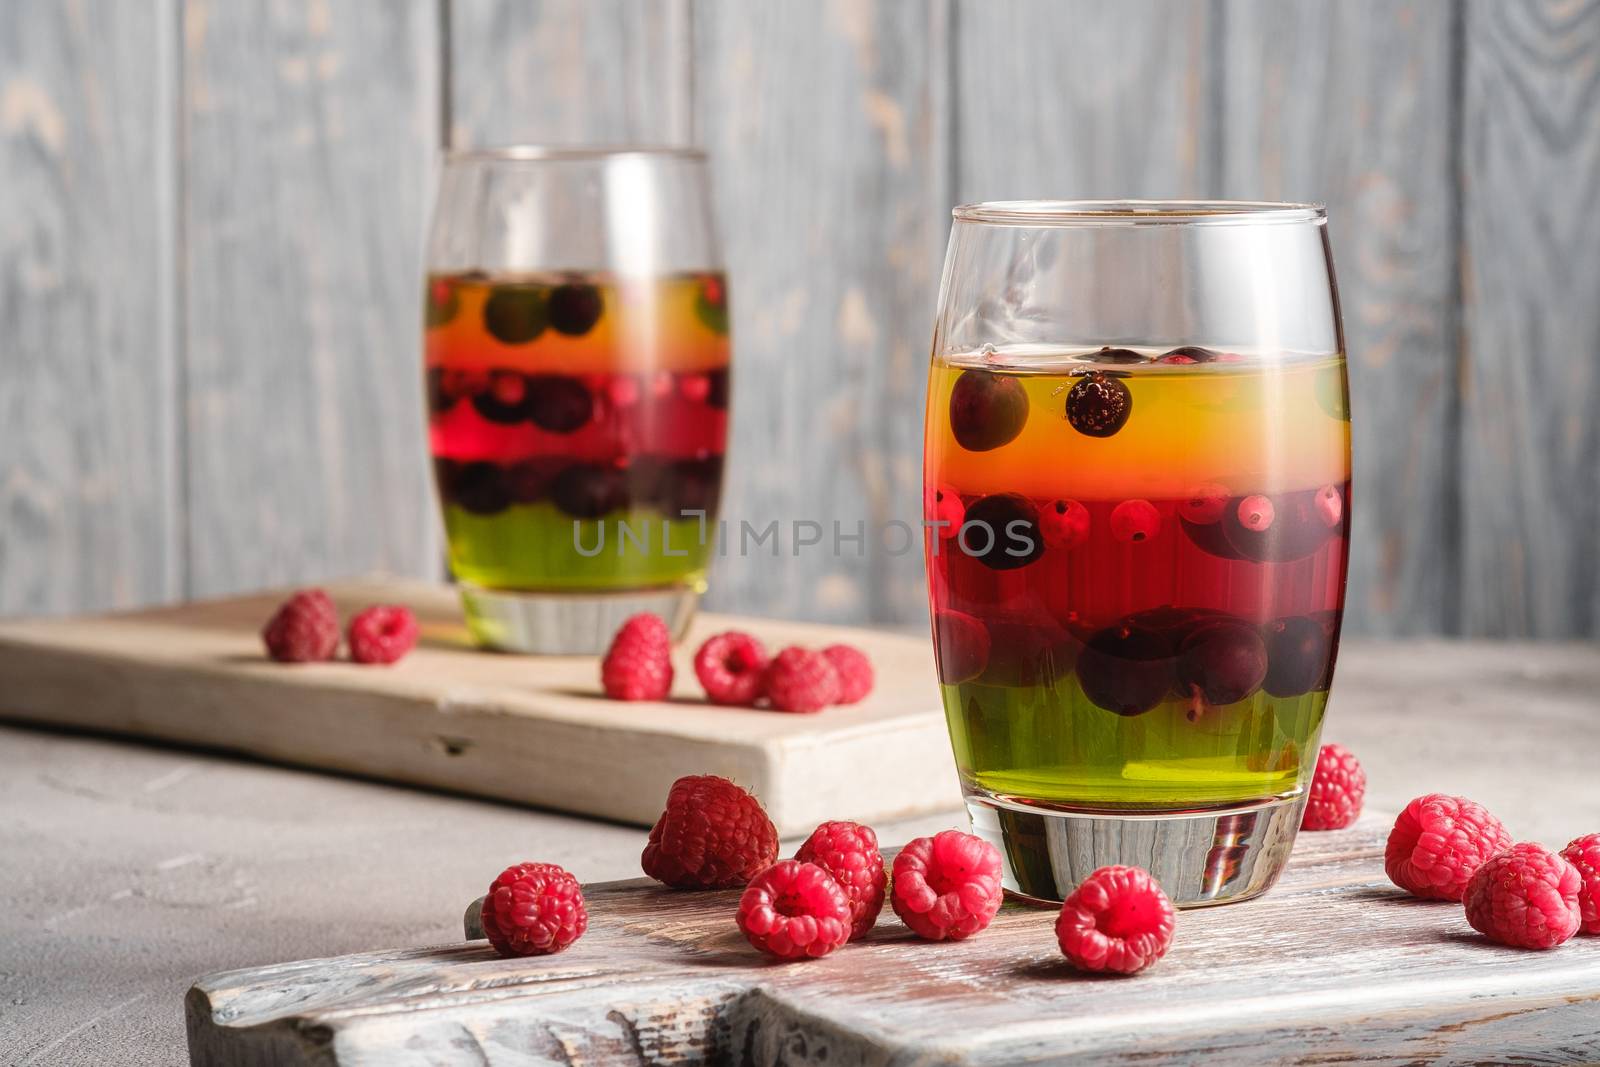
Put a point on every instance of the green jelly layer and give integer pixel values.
(535, 547)
(1053, 744)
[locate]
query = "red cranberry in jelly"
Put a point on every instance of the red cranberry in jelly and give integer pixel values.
(1329, 505)
(1135, 521)
(1064, 524)
(1204, 504)
(1256, 513)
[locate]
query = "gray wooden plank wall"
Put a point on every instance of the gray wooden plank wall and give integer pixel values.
(211, 219)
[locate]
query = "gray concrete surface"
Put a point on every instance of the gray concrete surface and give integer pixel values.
(128, 870)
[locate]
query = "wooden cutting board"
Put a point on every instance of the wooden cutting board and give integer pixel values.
(529, 729)
(1333, 965)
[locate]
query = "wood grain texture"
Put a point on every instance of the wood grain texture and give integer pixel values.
(663, 976)
(1083, 99)
(569, 71)
(310, 146)
(1531, 263)
(451, 716)
(825, 130)
(88, 477)
(1350, 104)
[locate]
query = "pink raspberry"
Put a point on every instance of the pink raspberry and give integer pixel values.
(942, 505)
(638, 665)
(731, 667)
(854, 670)
(1526, 896)
(1437, 842)
(534, 909)
(1118, 919)
(304, 629)
(1584, 855)
(383, 633)
(712, 835)
(801, 680)
(946, 887)
(1135, 521)
(1337, 789)
(795, 910)
(1064, 524)
(849, 852)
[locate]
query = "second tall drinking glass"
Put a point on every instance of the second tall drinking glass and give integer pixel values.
(577, 381)
(1137, 479)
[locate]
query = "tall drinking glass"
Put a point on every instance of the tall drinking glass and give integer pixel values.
(577, 380)
(1138, 494)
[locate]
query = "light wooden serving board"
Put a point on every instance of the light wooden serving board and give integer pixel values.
(1333, 965)
(529, 729)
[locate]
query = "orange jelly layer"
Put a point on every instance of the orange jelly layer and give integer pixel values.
(1253, 427)
(645, 325)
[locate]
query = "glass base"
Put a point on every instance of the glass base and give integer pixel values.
(1200, 858)
(567, 624)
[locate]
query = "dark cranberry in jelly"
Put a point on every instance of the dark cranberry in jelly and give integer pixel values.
(987, 410)
(1001, 532)
(1126, 669)
(480, 488)
(1028, 651)
(588, 491)
(439, 400)
(962, 643)
(693, 485)
(1223, 661)
(558, 403)
(1299, 651)
(574, 308)
(505, 399)
(530, 480)
(717, 396)
(515, 314)
(1099, 405)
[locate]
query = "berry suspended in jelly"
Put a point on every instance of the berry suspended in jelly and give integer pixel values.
(505, 399)
(963, 646)
(1204, 504)
(515, 314)
(574, 308)
(480, 488)
(1135, 521)
(1099, 404)
(1001, 532)
(717, 394)
(1299, 651)
(1223, 661)
(1126, 669)
(711, 304)
(987, 410)
(443, 302)
(1064, 524)
(558, 403)
(943, 510)
(1329, 505)
(1189, 354)
(1116, 356)
(588, 491)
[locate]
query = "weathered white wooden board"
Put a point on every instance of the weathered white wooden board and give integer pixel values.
(1334, 965)
(532, 730)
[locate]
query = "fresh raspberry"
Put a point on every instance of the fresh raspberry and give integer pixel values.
(801, 680)
(854, 670)
(1526, 896)
(304, 629)
(1336, 790)
(1118, 919)
(731, 667)
(1437, 842)
(1584, 854)
(534, 909)
(638, 665)
(382, 634)
(795, 910)
(713, 835)
(849, 852)
(946, 887)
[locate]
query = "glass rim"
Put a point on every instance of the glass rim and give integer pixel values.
(1067, 213)
(572, 153)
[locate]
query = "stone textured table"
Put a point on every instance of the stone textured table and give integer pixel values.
(128, 870)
